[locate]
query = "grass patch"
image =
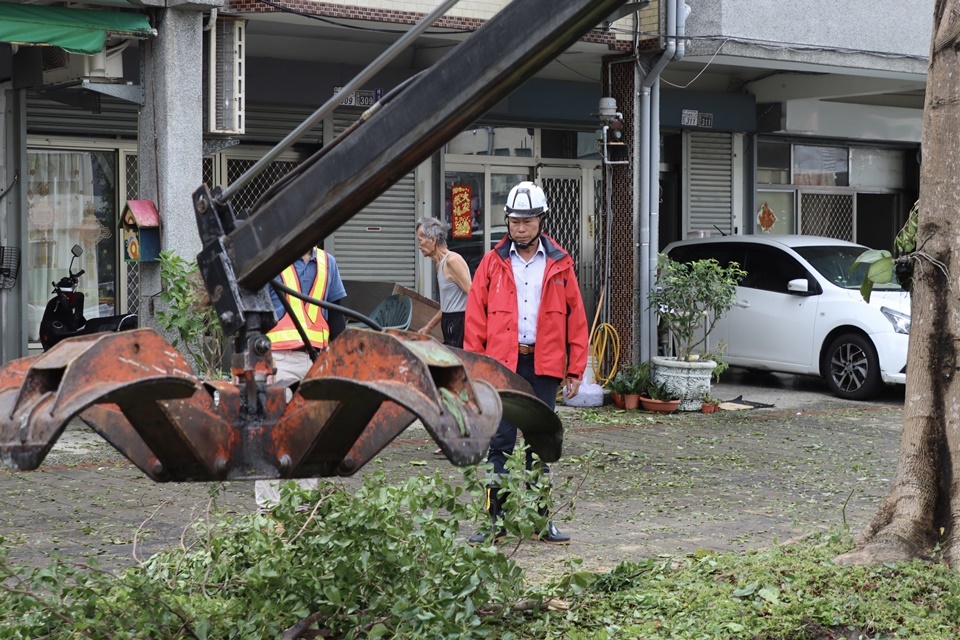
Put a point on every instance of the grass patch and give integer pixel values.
(789, 592)
(389, 560)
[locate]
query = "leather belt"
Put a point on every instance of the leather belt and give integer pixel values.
(525, 349)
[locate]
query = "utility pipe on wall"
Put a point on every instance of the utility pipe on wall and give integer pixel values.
(644, 320)
(682, 11)
(653, 196)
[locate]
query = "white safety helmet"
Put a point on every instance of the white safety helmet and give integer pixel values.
(525, 201)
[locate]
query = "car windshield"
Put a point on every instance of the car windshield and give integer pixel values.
(835, 263)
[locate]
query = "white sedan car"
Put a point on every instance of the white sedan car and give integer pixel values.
(799, 310)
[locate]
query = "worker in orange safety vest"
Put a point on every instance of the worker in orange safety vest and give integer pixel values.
(315, 274)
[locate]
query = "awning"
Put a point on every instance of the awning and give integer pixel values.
(75, 30)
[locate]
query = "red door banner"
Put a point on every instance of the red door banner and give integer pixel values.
(462, 199)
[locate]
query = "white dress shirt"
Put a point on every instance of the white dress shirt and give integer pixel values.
(529, 279)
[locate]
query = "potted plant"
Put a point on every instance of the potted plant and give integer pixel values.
(618, 386)
(638, 380)
(690, 297)
(716, 356)
(660, 398)
(189, 317)
(710, 404)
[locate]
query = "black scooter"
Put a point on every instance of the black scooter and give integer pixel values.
(63, 316)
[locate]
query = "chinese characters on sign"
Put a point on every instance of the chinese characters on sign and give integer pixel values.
(461, 197)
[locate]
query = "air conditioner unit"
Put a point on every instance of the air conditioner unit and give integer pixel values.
(60, 67)
(224, 77)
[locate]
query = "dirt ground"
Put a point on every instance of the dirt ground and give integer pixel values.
(648, 484)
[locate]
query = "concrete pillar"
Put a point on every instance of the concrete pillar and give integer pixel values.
(13, 159)
(170, 140)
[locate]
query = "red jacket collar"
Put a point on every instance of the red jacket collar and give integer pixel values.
(554, 251)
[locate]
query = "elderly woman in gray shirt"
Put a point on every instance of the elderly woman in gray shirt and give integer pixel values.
(453, 277)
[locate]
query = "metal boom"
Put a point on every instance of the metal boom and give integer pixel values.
(138, 393)
(484, 69)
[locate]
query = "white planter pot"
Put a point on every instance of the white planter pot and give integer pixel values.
(688, 380)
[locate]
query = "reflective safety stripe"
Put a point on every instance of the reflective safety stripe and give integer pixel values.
(285, 334)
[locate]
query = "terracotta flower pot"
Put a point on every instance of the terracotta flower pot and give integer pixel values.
(617, 400)
(709, 408)
(631, 401)
(659, 406)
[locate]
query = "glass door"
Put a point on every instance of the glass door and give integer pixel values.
(473, 198)
(502, 179)
(71, 199)
(463, 210)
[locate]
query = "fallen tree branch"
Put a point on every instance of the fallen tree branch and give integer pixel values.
(297, 630)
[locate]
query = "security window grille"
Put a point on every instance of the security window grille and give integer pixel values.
(132, 168)
(249, 194)
(133, 176)
(827, 214)
(207, 171)
(563, 221)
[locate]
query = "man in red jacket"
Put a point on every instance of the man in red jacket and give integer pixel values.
(525, 310)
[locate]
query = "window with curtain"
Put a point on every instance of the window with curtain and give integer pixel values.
(821, 166)
(773, 162)
(71, 199)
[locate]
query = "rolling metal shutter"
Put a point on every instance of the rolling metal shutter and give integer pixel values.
(265, 123)
(379, 243)
(708, 181)
(272, 123)
(116, 118)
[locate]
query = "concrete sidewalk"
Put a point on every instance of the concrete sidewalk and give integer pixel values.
(650, 484)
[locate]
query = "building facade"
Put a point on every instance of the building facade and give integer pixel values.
(760, 110)
(769, 118)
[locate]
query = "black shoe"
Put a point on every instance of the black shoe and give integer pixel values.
(486, 536)
(494, 507)
(552, 535)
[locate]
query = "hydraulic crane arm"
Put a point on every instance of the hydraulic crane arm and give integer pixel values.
(137, 391)
(510, 48)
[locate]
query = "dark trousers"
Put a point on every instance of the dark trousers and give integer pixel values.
(505, 439)
(451, 324)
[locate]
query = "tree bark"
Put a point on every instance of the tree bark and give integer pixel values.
(921, 512)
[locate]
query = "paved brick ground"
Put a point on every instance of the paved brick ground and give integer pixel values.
(732, 480)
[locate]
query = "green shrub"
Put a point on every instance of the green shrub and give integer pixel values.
(389, 561)
(788, 592)
(188, 314)
(620, 383)
(632, 378)
(691, 297)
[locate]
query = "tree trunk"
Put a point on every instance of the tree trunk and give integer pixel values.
(922, 509)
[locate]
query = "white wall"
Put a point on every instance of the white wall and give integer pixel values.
(892, 27)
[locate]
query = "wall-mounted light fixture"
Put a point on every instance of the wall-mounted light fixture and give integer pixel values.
(613, 150)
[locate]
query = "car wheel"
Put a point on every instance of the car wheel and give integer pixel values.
(852, 368)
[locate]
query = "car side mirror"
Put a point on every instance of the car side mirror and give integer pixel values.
(800, 285)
